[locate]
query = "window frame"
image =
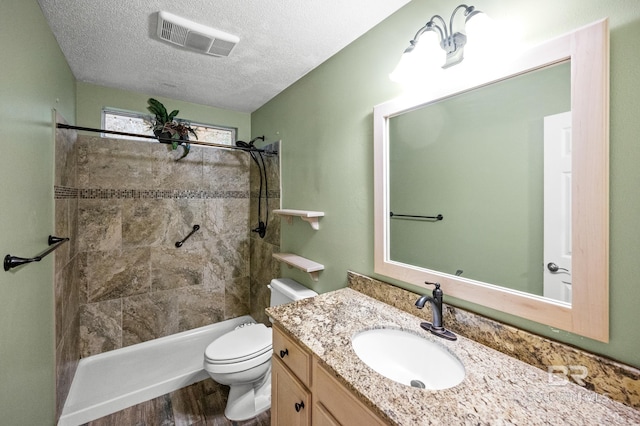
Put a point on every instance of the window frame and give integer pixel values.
(233, 131)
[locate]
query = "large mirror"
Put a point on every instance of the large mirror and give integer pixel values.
(497, 186)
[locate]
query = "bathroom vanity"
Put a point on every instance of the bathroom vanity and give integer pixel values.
(304, 392)
(317, 377)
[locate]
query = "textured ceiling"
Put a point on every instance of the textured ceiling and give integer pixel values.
(113, 43)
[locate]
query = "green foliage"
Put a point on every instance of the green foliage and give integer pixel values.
(165, 126)
(155, 107)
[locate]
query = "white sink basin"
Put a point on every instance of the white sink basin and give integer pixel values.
(408, 358)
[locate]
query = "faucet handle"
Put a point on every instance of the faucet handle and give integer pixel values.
(437, 293)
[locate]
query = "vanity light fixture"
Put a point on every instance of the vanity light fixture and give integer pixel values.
(451, 42)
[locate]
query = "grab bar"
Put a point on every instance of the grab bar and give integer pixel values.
(439, 217)
(195, 228)
(15, 261)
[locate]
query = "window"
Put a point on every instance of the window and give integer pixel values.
(135, 122)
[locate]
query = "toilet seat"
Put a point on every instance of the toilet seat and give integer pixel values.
(241, 359)
(240, 345)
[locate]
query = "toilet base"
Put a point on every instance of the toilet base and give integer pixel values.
(246, 401)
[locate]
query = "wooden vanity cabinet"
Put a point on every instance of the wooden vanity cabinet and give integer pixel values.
(290, 381)
(290, 399)
(292, 355)
(303, 392)
(334, 404)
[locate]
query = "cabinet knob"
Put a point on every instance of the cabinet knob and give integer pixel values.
(299, 406)
(283, 354)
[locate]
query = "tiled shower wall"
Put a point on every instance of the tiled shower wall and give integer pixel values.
(120, 280)
(135, 203)
(263, 267)
(132, 202)
(67, 306)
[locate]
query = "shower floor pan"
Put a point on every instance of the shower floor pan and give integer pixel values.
(114, 380)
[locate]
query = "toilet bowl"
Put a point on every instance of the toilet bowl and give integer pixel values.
(241, 359)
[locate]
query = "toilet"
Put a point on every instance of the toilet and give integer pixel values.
(241, 358)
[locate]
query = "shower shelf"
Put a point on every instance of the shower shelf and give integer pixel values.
(306, 215)
(295, 261)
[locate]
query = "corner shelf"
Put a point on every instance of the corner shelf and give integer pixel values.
(305, 265)
(307, 215)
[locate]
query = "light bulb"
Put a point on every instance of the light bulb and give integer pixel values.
(399, 74)
(482, 38)
(428, 52)
(424, 59)
(477, 24)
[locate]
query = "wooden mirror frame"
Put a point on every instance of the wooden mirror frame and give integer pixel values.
(588, 315)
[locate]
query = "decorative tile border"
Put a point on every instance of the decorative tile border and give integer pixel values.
(159, 194)
(270, 194)
(65, 192)
(110, 194)
(618, 381)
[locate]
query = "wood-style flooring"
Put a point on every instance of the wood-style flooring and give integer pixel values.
(201, 404)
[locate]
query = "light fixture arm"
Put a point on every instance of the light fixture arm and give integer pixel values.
(444, 32)
(431, 26)
(462, 6)
(451, 42)
(454, 44)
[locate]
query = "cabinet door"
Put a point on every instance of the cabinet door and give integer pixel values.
(338, 404)
(290, 401)
(292, 355)
(322, 417)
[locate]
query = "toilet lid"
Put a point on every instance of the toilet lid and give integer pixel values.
(242, 343)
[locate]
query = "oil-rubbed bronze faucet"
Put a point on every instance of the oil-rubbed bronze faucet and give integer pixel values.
(436, 327)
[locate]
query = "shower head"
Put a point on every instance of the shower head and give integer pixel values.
(250, 144)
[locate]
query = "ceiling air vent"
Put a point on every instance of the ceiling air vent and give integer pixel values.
(191, 35)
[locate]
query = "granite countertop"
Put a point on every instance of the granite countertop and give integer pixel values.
(497, 389)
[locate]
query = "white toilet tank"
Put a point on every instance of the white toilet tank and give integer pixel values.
(286, 290)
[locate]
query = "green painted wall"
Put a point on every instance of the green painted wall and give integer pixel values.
(326, 126)
(35, 79)
(91, 99)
